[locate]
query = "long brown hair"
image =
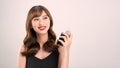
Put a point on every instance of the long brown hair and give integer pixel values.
(30, 43)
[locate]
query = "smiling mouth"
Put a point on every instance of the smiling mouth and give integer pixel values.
(42, 27)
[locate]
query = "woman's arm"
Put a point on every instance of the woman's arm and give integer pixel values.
(63, 61)
(21, 62)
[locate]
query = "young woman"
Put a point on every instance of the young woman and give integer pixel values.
(40, 49)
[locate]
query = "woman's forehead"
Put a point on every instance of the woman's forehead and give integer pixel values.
(39, 14)
(43, 13)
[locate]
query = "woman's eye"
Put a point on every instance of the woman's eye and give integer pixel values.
(45, 17)
(35, 19)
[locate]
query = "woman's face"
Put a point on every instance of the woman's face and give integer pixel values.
(41, 24)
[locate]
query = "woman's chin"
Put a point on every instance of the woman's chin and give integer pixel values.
(42, 32)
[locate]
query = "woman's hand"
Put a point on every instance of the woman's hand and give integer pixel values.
(67, 37)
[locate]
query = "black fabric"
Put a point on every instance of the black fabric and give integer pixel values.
(50, 61)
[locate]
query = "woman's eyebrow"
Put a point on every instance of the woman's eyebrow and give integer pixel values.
(44, 15)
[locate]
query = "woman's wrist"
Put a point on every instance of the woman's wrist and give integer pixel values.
(63, 50)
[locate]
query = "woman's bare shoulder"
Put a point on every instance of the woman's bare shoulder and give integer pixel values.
(21, 48)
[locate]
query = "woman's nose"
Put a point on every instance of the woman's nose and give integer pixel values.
(40, 21)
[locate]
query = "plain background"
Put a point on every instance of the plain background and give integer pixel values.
(95, 25)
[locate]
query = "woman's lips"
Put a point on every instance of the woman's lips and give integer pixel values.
(42, 27)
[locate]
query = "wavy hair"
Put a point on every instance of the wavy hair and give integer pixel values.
(30, 43)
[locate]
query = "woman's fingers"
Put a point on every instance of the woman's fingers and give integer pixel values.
(65, 38)
(61, 42)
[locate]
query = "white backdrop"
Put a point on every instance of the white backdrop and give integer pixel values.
(95, 25)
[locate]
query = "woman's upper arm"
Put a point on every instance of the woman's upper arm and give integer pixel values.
(21, 62)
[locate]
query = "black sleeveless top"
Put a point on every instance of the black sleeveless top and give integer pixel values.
(50, 61)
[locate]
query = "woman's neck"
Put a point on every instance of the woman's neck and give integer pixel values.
(42, 38)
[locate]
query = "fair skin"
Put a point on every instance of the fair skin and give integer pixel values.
(41, 25)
